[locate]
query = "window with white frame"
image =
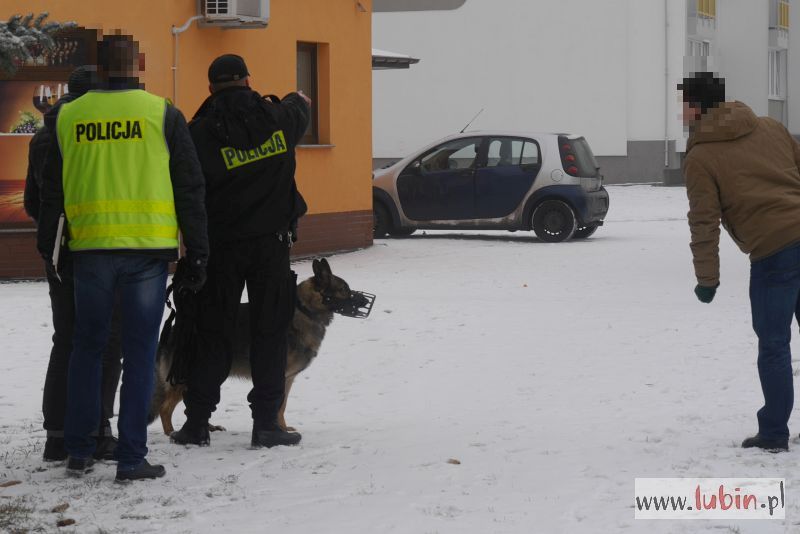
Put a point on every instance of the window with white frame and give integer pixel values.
(777, 74)
(700, 50)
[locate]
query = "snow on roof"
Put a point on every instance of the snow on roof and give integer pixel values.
(384, 59)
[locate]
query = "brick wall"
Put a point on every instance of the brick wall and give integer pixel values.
(18, 255)
(319, 234)
(333, 232)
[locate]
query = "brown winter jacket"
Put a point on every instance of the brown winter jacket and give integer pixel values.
(742, 170)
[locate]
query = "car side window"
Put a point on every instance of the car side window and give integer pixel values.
(530, 154)
(504, 152)
(457, 154)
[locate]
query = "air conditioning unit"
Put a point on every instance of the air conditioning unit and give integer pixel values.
(235, 13)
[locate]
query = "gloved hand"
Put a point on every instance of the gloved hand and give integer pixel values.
(49, 268)
(190, 275)
(705, 294)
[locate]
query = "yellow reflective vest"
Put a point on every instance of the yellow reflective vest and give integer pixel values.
(117, 185)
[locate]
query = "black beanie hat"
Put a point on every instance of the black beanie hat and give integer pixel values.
(82, 79)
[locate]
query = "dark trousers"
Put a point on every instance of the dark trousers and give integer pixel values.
(140, 282)
(54, 400)
(263, 266)
(774, 300)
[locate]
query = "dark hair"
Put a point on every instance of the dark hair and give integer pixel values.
(118, 53)
(703, 90)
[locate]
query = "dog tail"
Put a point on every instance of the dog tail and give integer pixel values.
(159, 387)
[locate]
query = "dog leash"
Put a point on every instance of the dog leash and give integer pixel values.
(167, 328)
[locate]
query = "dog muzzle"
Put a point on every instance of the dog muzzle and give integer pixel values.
(359, 304)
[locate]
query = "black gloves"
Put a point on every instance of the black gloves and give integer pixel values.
(705, 294)
(190, 275)
(50, 269)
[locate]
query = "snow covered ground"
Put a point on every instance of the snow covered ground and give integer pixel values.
(555, 374)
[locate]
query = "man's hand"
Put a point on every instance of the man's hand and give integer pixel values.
(304, 97)
(50, 269)
(705, 294)
(190, 275)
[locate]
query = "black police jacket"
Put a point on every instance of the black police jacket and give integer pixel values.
(37, 156)
(246, 145)
(37, 153)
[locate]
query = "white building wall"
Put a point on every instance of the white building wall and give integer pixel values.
(793, 82)
(742, 51)
(645, 79)
(652, 84)
(583, 66)
(544, 66)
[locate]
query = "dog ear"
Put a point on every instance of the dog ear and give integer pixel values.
(322, 272)
(325, 265)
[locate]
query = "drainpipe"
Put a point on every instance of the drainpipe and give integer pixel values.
(666, 85)
(175, 32)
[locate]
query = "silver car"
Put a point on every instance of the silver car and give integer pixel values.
(548, 183)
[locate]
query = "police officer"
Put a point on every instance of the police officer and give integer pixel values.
(130, 179)
(246, 145)
(54, 399)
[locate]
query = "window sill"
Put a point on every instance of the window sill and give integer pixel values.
(777, 98)
(316, 146)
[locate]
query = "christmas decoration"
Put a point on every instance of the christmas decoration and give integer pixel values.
(24, 37)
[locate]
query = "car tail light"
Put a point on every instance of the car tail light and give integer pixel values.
(568, 157)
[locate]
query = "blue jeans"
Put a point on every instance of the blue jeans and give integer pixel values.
(141, 283)
(774, 299)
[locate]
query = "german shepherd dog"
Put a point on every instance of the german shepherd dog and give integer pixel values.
(318, 298)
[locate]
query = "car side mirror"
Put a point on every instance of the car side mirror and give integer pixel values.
(415, 168)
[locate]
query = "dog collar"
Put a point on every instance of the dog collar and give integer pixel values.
(304, 310)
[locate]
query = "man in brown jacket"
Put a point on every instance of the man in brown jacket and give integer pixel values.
(742, 170)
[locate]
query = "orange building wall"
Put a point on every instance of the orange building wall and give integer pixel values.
(332, 179)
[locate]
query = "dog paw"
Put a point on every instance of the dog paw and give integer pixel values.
(217, 428)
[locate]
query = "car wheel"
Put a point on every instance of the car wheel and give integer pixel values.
(381, 222)
(585, 231)
(401, 232)
(553, 221)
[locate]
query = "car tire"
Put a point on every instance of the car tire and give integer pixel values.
(381, 221)
(554, 221)
(585, 231)
(401, 232)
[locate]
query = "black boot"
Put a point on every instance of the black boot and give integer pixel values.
(272, 435)
(54, 450)
(105, 448)
(192, 434)
(771, 445)
(77, 467)
(143, 471)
